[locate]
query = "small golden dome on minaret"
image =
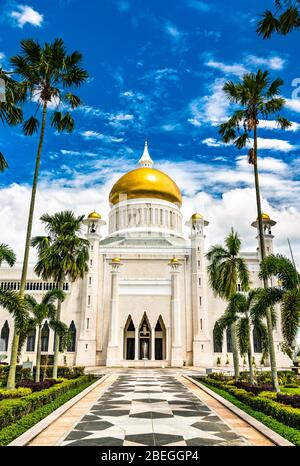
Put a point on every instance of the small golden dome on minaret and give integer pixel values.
(94, 216)
(196, 216)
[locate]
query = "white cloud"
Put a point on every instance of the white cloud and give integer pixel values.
(203, 7)
(95, 135)
(274, 63)
(266, 164)
(173, 31)
(2, 56)
(293, 104)
(27, 14)
(263, 143)
(236, 69)
(272, 124)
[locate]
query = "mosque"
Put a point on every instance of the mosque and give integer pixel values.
(146, 300)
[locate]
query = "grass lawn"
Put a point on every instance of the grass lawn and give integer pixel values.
(289, 433)
(9, 433)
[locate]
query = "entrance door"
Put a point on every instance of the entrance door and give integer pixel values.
(130, 344)
(144, 348)
(159, 348)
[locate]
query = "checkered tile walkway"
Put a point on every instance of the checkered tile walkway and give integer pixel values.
(149, 408)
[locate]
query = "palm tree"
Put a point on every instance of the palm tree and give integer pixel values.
(283, 21)
(41, 311)
(241, 311)
(62, 254)
(46, 73)
(7, 255)
(259, 99)
(286, 293)
(11, 96)
(226, 268)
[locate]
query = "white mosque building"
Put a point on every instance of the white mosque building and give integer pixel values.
(145, 301)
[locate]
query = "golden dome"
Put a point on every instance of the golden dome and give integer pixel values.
(197, 217)
(145, 182)
(94, 215)
(116, 260)
(264, 217)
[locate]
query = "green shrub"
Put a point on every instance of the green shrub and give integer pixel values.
(13, 409)
(15, 393)
(67, 372)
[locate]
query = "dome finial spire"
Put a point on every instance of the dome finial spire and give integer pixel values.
(146, 161)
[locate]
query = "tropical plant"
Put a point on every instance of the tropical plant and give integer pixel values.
(62, 254)
(11, 96)
(225, 270)
(46, 75)
(240, 311)
(45, 310)
(258, 97)
(286, 293)
(285, 19)
(7, 255)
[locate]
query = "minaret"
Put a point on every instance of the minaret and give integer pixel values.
(201, 340)
(86, 344)
(145, 161)
(268, 237)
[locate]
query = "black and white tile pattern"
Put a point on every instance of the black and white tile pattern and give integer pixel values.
(150, 408)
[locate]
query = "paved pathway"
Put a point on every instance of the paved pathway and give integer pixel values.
(151, 408)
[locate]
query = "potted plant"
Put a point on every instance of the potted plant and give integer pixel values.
(227, 360)
(218, 361)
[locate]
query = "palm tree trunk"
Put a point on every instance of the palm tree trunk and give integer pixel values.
(251, 375)
(263, 254)
(38, 356)
(11, 381)
(56, 336)
(235, 352)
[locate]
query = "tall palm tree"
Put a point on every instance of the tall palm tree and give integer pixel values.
(285, 19)
(225, 270)
(7, 255)
(258, 98)
(241, 311)
(41, 311)
(46, 75)
(286, 293)
(62, 254)
(11, 96)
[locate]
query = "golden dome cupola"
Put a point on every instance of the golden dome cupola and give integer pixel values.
(145, 182)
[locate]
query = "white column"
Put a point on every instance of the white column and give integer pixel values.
(153, 343)
(136, 344)
(113, 335)
(176, 343)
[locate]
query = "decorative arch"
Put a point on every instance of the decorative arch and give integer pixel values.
(72, 337)
(229, 340)
(45, 337)
(160, 340)
(257, 341)
(4, 337)
(129, 339)
(30, 344)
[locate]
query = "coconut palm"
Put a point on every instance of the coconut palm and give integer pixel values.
(62, 254)
(41, 311)
(11, 96)
(46, 75)
(286, 293)
(225, 270)
(285, 19)
(7, 255)
(258, 98)
(241, 311)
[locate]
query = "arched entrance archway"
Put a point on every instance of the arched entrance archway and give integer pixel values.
(145, 339)
(129, 340)
(160, 340)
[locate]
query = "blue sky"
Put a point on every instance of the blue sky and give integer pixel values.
(156, 71)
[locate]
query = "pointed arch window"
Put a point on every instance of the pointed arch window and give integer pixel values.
(72, 337)
(4, 337)
(257, 341)
(229, 340)
(45, 337)
(30, 344)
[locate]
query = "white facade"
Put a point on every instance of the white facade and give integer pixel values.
(144, 310)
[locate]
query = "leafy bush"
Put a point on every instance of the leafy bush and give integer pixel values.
(255, 389)
(14, 409)
(67, 372)
(15, 393)
(37, 386)
(293, 400)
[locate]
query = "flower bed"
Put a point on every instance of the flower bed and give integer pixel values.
(37, 386)
(13, 409)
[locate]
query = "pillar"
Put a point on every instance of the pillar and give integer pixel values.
(113, 356)
(153, 343)
(176, 341)
(136, 344)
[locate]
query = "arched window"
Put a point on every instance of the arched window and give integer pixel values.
(4, 337)
(217, 346)
(229, 340)
(257, 341)
(72, 337)
(45, 337)
(31, 340)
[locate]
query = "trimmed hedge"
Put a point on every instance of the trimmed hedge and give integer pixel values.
(67, 372)
(15, 393)
(38, 386)
(11, 432)
(285, 414)
(12, 410)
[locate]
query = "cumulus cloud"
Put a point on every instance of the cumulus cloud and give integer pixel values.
(274, 63)
(26, 15)
(236, 69)
(212, 108)
(293, 104)
(263, 143)
(273, 124)
(88, 134)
